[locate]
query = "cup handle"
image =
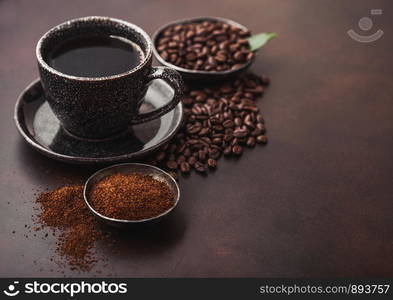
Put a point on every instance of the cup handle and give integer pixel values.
(174, 79)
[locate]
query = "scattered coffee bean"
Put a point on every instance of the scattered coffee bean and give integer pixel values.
(181, 159)
(237, 150)
(200, 167)
(185, 167)
(212, 163)
(207, 45)
(192, 160)
(172, 165)
(251, 142)
(262, 139)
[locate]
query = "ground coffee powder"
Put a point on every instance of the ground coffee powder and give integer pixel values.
(131, 196)
(65, 212)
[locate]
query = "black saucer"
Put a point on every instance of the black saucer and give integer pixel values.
(41, 129)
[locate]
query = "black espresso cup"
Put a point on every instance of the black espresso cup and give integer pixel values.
(103, 106)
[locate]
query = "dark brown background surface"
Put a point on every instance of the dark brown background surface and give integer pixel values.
(316, 201)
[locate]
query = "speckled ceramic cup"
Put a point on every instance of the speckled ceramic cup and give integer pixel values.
(101, 107)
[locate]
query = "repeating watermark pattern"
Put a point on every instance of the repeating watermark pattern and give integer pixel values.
(365, 24)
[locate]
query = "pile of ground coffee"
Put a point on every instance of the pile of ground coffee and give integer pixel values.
(219, 120)
(208, 46)
(131, 196)
(65, 212)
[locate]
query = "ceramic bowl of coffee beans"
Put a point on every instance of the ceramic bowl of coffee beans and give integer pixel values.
(127, 194)
(204, 47)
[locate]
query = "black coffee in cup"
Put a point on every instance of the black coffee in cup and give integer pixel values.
(95, 55)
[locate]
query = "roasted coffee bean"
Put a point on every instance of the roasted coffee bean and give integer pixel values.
(251, 108)
(228, 124)
(261, 127)
(238, 121)
(236, 66)
(234, 47)
(193, 129)
(200, 167)
(239, 56)
(200, 98)
(256, 132)
(206, 140)
(196, 110)
(248, 121)
(193, 142)
(250, 141)
(181, 159)
(260, 119)
(240, 132)
(191, 56)
(192, 160)
(265, 80)
(262, 139)
(184, 167)
(220, 58)
(228, 137)
(202, 155)
(214, 153)
(237, 150)
(217, 141)
(218, 127)
(204, 131)
(171, 165)
(212, 163)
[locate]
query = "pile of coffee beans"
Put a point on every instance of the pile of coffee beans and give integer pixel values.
(219, 120)
(208, 46)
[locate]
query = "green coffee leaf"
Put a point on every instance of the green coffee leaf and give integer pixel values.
(256, 41)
